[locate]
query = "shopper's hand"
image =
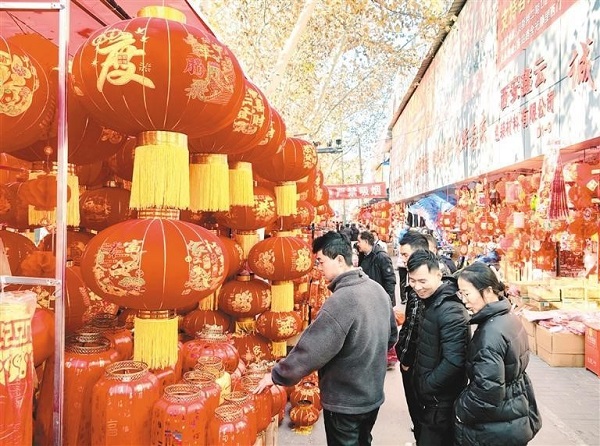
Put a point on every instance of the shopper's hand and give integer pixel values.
(265, 382)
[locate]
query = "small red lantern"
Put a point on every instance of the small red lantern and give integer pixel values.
(279, 326)
(252, 347)
(104, 207)
(293, 163)
(245, 297)
(281, 257)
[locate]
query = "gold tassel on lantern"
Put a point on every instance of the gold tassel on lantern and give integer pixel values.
(241, 184)
(209, 182)
(279, 349)
(48, 217)
(286, 199)
(209, 303)
(246, 239)
(245, 325)
(160, 171)
(282, 293)
(156, 336)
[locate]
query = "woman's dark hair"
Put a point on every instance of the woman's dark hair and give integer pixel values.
(422, 257)
(333, 244)
(482, 276)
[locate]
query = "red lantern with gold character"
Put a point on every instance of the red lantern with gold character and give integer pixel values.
(156, 77)
(155, 265)
(104, 207)
(244, 298)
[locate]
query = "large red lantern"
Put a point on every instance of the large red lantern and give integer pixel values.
(27, 101)
(16, 247)
(155, 264)
(296, 160)
(156, 77)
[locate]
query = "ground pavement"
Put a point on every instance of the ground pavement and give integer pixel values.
(568, 399)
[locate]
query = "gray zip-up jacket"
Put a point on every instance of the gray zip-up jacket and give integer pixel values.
(347, 343)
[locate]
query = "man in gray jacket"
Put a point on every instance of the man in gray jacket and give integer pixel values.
(346, 343)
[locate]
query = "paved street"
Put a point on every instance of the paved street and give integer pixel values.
(568, 398)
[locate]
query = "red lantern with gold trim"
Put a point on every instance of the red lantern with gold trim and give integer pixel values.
(305, 214)
(156, 77)
(279, 326)
(244, 298)
(155, 264)
(235, 253)
(271, 144)
(27, 99)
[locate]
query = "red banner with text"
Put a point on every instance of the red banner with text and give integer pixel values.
(356, 191)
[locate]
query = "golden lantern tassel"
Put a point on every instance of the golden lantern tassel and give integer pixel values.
(282, 296)
(208, 303)
(73, 218)
(246, 239)
(279, 349)
(286, 199)
(160, 171)
(209, 182)
(245, 325)
(241, 184)
(156, 336)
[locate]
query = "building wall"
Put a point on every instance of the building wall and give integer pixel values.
(514, 79)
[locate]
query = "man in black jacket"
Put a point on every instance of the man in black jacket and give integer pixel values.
(377, 264)
(439, 370)
(406, 347)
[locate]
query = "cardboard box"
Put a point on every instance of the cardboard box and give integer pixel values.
(560, 349)
(532, 344)
(529, 326)
(561, 342)
(592, 349)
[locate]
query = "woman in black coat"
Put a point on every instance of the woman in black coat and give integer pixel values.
(498, 405)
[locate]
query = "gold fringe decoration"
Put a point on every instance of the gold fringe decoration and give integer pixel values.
(48, 217)
(209, 182)
(246, 239)
(285, 199)
(160, 171)
(245, 325)
(241, 184)
(279, 349)
(208, 303)
(303, 286)
(282, 296)
(156, 338)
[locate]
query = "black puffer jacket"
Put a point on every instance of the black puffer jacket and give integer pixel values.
(379, 267)
(498, 406)
(442, 348)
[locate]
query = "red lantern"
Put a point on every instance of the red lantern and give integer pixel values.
(305, 214)
(76, 243)
(244, 297)
(94, 174)
(15, 212)
(252, 347)
(104, 207)
(235, 253)
(154, 264)
(157, 73)
(16, 248)
(121, 163)
(281, 257)
(195, 321)
(251, 218)
(270, 145)
(249, 128)
(279, 326)
(89, 142)
(40, 192)
(42, 333)
(27, 99)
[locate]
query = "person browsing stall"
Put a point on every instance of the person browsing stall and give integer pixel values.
(346, 344)
(498, 406)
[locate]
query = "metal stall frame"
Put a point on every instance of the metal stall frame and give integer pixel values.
(63, 9)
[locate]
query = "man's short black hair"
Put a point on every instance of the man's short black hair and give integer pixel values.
(368, 237)
(422, 257)
(415, 240)
(333, 244)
